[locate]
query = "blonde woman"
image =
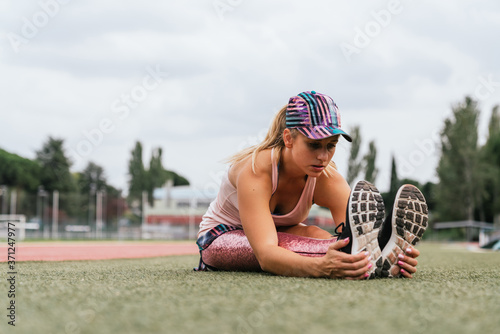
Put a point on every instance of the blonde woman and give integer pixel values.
(256, 221)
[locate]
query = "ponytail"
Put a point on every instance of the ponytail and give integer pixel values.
(273, 139)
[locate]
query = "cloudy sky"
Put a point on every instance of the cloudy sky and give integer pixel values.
(202, 79)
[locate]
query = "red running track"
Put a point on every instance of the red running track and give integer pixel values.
(66, 251)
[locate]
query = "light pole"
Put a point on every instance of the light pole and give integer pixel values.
(3, 193)
(13, 201)
(39, 220)
(143, 213)
(40, 210)
(99, 213)
(55, 214)
(105, 210)
(92, 191)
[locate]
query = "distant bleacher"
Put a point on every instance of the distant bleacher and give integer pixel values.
(20, 224)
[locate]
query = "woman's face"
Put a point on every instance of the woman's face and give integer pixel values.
(313, 155)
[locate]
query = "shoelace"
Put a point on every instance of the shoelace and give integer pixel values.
(336, 233)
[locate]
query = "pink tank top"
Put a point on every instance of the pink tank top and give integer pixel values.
(224, 209)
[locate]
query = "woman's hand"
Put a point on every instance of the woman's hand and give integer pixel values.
(337, 264)
(408, 263)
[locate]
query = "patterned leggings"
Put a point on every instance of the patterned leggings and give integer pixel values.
(227, 248)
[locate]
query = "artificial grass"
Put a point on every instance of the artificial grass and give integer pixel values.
(455, 291)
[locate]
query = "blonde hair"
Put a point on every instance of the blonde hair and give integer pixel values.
(273, 139)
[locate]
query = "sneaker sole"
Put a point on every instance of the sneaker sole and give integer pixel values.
(366, 215)
(409, 222)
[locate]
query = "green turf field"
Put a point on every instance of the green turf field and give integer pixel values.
(456, 291)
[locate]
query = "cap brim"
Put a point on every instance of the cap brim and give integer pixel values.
(321, 132)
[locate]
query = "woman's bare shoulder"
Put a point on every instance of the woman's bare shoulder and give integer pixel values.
(330, 182)
(263, 167)
(331, 174)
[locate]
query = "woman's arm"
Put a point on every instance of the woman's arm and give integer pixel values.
(254, 193)
(333, 192)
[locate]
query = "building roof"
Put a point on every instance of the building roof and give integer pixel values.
(185, 193)
(463, 223)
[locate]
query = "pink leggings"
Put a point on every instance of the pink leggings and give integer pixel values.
(232, 251)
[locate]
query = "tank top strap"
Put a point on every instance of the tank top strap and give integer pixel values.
(274, 175)
(309, 191)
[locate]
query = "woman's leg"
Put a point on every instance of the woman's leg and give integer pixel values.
(232, 251)
(310, 231)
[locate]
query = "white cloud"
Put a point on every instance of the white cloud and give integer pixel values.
(228, 77)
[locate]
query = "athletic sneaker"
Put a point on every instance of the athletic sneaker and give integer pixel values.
(403, 227)
(365, 214)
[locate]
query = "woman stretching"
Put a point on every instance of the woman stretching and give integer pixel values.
(256, 221)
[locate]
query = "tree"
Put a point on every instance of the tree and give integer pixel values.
(55, 167)
(429, 191)
(157, 175)
(490, 157)
(137, 174)
(494, 126)
(92, 179)
(393, 187)
(19, 172)
(55, 175)
(178, 179)
(355, 164)
(369, 159)
(148, 180)
(459, 171)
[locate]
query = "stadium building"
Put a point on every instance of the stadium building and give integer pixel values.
(177, 212)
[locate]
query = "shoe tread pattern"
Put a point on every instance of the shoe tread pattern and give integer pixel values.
(366, 216)
(410, 217)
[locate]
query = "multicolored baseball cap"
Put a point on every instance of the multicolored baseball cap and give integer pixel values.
(315, 115)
